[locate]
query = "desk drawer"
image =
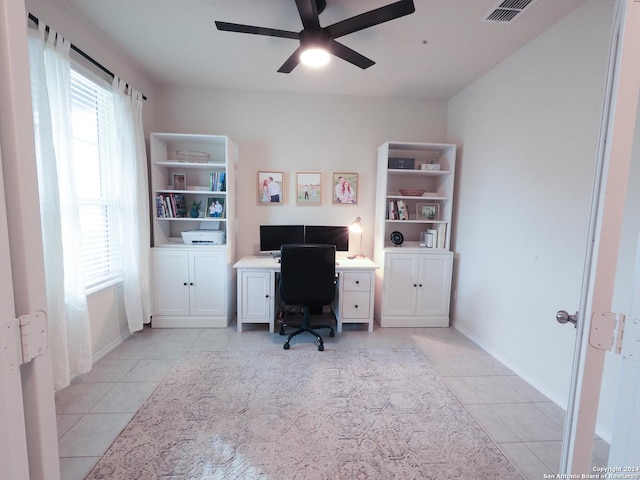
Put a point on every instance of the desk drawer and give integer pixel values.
(355, 305)
(356, 281)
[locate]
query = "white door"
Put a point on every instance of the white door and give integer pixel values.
(257, 299)
(602, 267)
(399, 289)
(207, 283)
(170, 282)
(26, 394)
(434, 284)
(13, 438)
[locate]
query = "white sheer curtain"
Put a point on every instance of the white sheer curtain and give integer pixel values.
(67, 312)
(134, 204)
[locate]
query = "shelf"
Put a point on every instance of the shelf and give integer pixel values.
(190, 219)
(178, 164)
(415, 221)
(216, 193)
(426, 173)
(414, 197)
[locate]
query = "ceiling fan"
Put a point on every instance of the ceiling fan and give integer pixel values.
(314, 37)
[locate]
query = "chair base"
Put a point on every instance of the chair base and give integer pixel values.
(305, 326)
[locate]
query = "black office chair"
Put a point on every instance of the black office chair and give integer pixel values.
(307, 280)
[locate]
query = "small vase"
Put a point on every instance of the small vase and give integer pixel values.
(195, 213)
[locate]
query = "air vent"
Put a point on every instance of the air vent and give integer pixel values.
(507, 11)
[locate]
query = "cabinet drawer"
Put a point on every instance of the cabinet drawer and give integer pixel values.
(355, 305)
(356, 281)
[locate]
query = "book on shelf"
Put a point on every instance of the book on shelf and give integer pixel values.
(217, 182)
(171, 205)
(432, 238)
(442, 235)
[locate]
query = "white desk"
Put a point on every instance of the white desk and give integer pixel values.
(256, 291)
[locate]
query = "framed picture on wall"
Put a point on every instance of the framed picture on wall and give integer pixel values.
(270, 188)
(308, 188)
(345, 188)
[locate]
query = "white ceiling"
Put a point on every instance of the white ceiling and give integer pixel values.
(433, 53)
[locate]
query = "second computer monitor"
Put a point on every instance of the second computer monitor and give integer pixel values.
(332, 235)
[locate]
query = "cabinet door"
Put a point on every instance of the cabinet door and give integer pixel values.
(400, 284)
(257, 295)
(434, 284)
(208, 286)
(170, 282)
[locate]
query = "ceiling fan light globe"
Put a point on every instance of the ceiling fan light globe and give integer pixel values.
(315, 57)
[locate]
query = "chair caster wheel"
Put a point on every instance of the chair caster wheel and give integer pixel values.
(286, 346)
(281, 331)
(321, 348)
(332, 333)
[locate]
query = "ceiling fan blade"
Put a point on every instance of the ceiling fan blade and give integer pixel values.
(270, 32)
(308, 11)
(351, 56)
(371, 18)
(292, 62)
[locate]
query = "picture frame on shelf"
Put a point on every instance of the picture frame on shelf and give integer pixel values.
(178, 181)
(215, 207)
(428, 211)
(270, 188)
(308, 187)
(345, 188)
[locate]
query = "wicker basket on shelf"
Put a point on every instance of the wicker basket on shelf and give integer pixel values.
(193, 157)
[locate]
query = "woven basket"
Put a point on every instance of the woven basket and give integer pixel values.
(193, 157)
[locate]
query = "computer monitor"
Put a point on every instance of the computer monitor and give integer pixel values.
(332, 235)
(272, 237)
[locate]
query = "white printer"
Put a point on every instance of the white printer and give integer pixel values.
(203, 237)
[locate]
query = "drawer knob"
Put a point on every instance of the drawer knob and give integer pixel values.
(357, 282)
(185, 284)
(356, 306)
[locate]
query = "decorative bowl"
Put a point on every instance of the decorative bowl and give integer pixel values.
(412, 192)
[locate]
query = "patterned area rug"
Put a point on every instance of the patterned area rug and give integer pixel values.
(282, 415)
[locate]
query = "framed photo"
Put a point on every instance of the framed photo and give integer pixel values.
(215, 207)
(179, 181)
(428, 211)
(270, 188)
(345, 188)
(308, 188)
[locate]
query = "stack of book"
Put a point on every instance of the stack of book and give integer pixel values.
(171, 205)
(397, 210)
(217, 182)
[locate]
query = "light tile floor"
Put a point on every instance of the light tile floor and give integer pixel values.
(94, 409)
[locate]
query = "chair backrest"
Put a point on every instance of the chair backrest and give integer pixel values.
(307, 274)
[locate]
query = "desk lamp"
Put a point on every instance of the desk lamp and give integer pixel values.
(356, 227)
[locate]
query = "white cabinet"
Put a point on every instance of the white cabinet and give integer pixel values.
(189, 287)
(416, 289)
(355, 298)
(256, 297)
(415, 192)
(194, 284)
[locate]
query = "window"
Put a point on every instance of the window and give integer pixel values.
(93, 136)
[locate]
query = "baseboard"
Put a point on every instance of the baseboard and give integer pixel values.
(97, 356)
(601, 431)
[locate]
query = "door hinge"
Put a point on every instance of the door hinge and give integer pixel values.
(25, 338)
(607, 330)
(631, 345)
(34, 335)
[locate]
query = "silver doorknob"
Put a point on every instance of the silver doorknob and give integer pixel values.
(563, 317)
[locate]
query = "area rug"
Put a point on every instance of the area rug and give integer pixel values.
(282, 415)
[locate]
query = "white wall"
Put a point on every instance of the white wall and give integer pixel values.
(529, 132)
(294, 132)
